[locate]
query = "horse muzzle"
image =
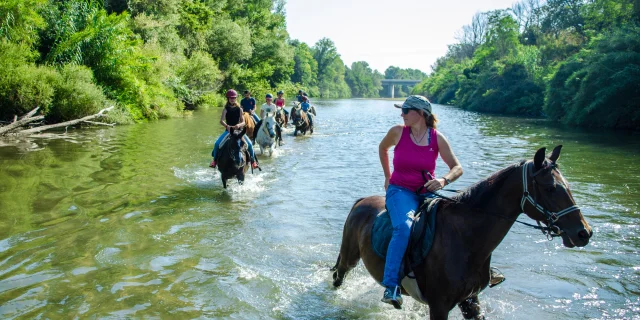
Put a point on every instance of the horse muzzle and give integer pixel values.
(578, 237)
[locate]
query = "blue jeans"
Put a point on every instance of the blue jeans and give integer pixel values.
(216, 145)
(402, 204)
(255, 117)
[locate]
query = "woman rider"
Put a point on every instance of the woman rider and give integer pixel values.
(231, 119)
(280, 103)
(417, 146)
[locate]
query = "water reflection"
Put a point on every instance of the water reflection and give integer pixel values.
(130, 222)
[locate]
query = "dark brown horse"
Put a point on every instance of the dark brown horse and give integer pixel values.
(301, 121)
(233, 157)
(467, 231)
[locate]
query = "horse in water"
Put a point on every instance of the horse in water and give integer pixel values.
(232, 157)
(269, 134)
(281, 118)
(249, 124)
(301, 120)
(467, 230)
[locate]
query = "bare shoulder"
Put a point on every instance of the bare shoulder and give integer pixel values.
(396, 130)
(441, 136)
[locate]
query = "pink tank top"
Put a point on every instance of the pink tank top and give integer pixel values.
(279, 102)
(410, 160)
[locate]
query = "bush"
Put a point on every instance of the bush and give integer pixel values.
(76, 95)
(23, 85)
(200, 75)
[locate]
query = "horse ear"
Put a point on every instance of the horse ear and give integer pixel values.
(538, 159)
(555, 154)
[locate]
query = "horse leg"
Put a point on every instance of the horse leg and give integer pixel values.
(438, 312)
(471, 308)
(347, 259)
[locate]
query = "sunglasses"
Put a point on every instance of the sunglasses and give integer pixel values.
(406, 110)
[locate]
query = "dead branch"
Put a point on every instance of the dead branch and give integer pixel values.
(64, 124)
(100, 123)
(17, 124)
(30, 114)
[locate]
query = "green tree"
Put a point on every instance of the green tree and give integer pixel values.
(331, 70)
(363, 81)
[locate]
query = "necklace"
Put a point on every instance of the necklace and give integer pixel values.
(414, 137)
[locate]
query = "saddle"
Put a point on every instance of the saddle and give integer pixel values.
(224, 142)
(421, 238)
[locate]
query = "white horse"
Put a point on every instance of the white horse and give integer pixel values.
(268, 134)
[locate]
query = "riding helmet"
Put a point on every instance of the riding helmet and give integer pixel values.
(231, 93)
(269, 96)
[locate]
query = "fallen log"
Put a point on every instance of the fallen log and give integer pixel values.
(19, 123)
(64, 124)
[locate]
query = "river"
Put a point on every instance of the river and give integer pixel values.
(129, 222)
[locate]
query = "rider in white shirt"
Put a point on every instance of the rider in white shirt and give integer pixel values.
(268, 107)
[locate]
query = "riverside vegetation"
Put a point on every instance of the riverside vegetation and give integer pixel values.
(573, 61)
(576, 61)
(154, 59)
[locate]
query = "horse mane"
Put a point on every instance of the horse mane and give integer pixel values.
(481, 190)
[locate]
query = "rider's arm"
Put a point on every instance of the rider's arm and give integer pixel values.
(390, 140)
(241, 123)
(223, 117)
(261, 112)
(447, 155)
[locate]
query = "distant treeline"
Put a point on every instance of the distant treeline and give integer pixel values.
(154, 58)
(575, 61)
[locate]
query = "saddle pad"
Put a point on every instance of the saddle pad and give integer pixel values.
(420, 240)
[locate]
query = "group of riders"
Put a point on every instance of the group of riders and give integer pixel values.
(232, 116)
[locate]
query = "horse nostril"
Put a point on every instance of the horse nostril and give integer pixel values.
(584, 234)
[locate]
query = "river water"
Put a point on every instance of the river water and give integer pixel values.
(129, 222)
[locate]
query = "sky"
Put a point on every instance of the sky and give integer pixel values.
(402, 33)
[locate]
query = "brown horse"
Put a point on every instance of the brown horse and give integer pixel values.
(281, 118)
(249, 124)
(467, 231)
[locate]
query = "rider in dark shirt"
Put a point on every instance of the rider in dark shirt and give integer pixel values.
(248, 104)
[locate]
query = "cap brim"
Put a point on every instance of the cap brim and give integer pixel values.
(397, 105)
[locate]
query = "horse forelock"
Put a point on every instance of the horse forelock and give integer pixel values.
(485, 188)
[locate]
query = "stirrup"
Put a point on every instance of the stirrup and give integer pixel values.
(496, 277)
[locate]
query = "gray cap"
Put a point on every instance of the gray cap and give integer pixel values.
(416, 102)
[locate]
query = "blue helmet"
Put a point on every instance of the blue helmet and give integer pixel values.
(269, 96)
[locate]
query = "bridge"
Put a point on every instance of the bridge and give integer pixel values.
(391, 83)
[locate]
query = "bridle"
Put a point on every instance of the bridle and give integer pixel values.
(551, 230)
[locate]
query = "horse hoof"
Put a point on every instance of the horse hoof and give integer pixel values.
(337, 281)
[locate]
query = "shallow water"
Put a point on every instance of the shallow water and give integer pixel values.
(130, 222)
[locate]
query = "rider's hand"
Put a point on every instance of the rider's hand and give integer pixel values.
(435, 184)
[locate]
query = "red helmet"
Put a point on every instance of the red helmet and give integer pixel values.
(232, 93)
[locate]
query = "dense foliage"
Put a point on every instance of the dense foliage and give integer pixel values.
(154, 58)
(575, 61)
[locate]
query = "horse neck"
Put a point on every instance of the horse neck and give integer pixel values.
(490, 209)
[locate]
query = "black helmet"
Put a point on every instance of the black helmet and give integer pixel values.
(269, 96)
(280, 92)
